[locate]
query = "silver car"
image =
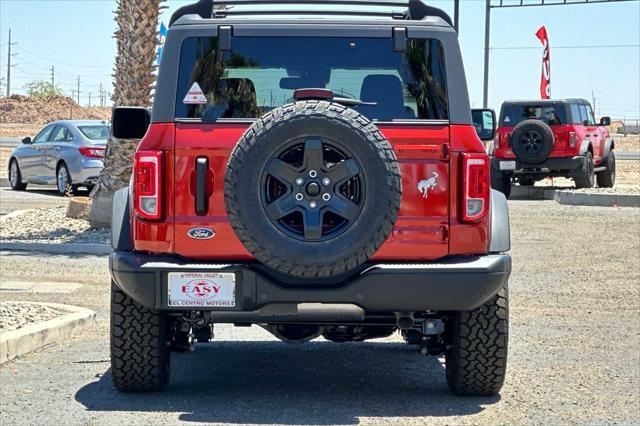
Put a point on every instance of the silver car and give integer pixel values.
(67, 154)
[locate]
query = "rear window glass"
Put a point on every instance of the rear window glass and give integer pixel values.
(550, 114)
(261, 73)
(95, 132)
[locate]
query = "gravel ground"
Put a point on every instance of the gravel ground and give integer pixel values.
(626, 143)
(574, 349)
(15, 315)
(50, 226)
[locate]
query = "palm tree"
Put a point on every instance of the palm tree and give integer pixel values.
(134, 80)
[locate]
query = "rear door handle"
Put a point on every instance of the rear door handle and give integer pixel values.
(202, 164)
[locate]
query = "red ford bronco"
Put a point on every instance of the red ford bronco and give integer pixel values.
(539, 139)
(313, 169)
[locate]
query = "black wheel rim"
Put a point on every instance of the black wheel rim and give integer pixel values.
(531, 142)
(313, 189)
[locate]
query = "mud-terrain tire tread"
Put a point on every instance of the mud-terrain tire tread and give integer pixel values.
(476, 362)
(501, 182)
(331, 112)
(140, 356)
(606, 179)
(589, 180)
(547, 137)
(526, 181)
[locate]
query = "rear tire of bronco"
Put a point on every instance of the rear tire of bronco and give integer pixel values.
(476, 360)
(589, 180)
(140, 356)
(607, 178)
(526, 181)
(501, 182)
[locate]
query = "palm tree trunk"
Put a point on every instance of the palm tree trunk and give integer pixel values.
(134, 80)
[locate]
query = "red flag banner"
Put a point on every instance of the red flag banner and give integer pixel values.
(545, 78)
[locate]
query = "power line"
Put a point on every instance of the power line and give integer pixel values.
(61, 62)
(601, 46)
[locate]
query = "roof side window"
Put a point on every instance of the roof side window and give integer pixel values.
(584, 116)
(254, 77)
(575, 114)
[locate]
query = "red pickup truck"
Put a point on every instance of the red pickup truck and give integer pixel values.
(313, 170)
(551, 138)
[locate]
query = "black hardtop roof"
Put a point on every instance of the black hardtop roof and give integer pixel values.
(546, 101)
(352, 11)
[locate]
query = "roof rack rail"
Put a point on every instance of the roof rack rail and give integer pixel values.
(404, 9)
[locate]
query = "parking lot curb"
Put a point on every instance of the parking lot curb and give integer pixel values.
(605, 200)
(575, 198)
(60, 248)
(35, 336)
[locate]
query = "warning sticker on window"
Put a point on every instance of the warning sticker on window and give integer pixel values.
(195, 96)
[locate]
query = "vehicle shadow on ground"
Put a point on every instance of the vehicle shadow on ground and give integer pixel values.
(256, 382)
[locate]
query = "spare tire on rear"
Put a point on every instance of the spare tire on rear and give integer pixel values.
(312, 189)
(532, 141)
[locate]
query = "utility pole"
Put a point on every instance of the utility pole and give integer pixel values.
(9, 55)
(487, 29)
(53, 79)
(89, 98)
(593, 98)
(78, 92)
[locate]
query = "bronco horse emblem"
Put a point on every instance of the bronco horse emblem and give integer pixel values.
(425, 185)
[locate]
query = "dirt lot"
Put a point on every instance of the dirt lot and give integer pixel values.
(574, 348)
(38, 110)
(627, 143)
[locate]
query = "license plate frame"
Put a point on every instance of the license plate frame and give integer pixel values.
(197, 289)
(508, 165)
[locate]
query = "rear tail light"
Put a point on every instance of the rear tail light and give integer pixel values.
(476, 181)
(147, 184)
(573, 139)
(91, 151)
(496, 141)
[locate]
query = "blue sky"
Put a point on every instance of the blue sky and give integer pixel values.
(75, 36)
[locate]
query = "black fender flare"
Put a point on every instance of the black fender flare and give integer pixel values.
(121, 221)
(500, 241)
(584, 146)
(609, 144)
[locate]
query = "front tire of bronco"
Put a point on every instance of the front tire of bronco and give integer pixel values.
(607, 178)
(140, 356)
(476, 359)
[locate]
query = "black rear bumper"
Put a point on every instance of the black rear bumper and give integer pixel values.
(564, 166)
(452, 284)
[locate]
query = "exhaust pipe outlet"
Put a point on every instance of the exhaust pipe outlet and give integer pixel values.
(294, 333)
(405, 321)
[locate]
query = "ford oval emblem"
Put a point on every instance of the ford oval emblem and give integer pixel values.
(201, 233)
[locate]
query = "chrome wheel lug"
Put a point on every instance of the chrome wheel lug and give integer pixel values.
(326, 196)
(299, 181)
(313, 204)
(326, 181)
(299, 196)
(313, 173)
